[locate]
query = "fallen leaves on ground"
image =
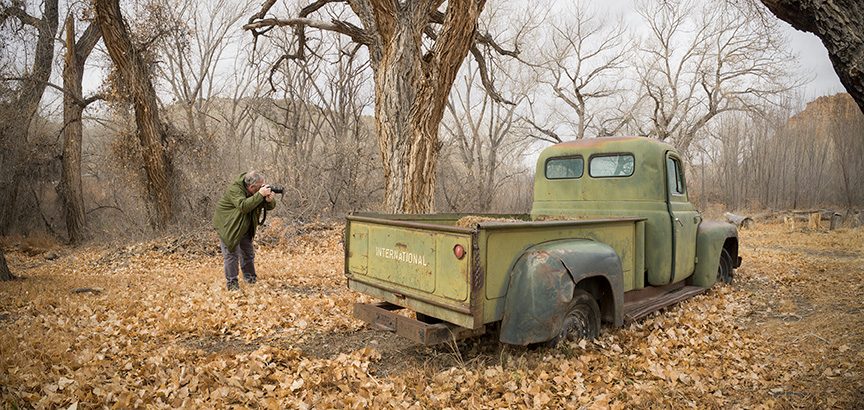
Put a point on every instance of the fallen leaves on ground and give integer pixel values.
(163, 332)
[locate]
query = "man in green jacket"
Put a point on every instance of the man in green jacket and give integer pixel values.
(235, 220)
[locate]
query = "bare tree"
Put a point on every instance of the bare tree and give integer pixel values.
(481, 135)
(240, 117)
(22, 108)
(580, 64)
(839, 23)
(151, 133)
(73, 106)
(192, 53)
(415, 52)
(694, 69)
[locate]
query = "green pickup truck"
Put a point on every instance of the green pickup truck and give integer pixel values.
(611, 237)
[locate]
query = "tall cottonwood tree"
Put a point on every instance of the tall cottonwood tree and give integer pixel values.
(151, 133)
(15, 125)
(415, 52)
(20, 110)
(839, 24)
(73, 106)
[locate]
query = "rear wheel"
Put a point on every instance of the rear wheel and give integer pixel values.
(582, 320)
(725, 272)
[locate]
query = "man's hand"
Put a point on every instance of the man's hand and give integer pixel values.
(269, 198)
(265, 191)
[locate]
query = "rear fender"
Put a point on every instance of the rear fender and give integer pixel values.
(542, 282)
(711, 238)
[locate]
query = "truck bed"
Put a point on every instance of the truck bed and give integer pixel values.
(409, 260)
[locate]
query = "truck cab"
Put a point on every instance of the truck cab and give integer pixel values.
(625, 177)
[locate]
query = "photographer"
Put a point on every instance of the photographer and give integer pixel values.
(236, 218)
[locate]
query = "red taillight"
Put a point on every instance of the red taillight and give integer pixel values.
(459, 251)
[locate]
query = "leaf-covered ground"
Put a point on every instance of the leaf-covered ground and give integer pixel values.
(156, 328)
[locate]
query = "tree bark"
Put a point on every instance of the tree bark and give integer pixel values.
(411, 91)
(150, 132)
(15, 128)
(73, 106)
(840, 26)
(5, 273)
(411, 87)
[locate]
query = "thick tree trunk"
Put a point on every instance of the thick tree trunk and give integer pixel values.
(151, 134)
(73, 107)
(411, 91)
(14, 129)
(5, 273)
(840, 25)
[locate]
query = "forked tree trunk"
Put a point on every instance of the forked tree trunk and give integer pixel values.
(150, 132)
(411, 91)
(5, 273)
(73, 106)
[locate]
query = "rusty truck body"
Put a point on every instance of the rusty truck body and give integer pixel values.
(611, 237)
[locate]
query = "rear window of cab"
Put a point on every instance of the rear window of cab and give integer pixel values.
(564, 167)
(611, 165)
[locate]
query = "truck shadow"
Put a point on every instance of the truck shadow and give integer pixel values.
(399, 355)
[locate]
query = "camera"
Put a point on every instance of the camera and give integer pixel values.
(277, 189)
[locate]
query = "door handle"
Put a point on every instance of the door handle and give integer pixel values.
(679, 222)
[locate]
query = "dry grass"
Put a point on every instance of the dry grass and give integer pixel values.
(163, 332)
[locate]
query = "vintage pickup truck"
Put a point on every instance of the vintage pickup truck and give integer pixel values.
(611, 237)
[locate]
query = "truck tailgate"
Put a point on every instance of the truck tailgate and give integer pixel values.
(412, 265)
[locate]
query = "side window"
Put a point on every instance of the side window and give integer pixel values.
(617, 165)
(675, 175)
(564, 167)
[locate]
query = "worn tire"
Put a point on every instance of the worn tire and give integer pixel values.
(725, 273)
(582, 320)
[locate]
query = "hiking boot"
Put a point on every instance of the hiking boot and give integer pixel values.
(233, 285)
(251, 280)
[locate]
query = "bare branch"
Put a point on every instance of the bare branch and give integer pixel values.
(356, 33)
(78, 100)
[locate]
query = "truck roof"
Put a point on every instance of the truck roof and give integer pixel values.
(608, 144)
(645, 181)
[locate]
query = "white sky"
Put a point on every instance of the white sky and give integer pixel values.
(812, 55)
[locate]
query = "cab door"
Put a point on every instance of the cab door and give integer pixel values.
(684, 217)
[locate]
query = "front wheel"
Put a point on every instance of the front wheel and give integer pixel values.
(582, 320)
(725, 272)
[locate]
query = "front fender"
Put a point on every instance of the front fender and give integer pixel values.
(542, 282)
(709, 242)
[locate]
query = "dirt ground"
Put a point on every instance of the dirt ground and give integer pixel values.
(151, 325)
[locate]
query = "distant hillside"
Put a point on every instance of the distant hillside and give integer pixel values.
(821, 115)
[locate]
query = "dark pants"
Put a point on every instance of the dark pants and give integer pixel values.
(245, 254)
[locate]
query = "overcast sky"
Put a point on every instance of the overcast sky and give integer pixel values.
(812, 55)
(813, 58)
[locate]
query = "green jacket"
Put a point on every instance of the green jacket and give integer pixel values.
(238, 212)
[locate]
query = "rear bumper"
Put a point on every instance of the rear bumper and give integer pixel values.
(383, 316)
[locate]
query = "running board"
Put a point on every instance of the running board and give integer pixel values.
(641, 303)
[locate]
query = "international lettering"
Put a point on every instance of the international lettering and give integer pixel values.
(401, 256)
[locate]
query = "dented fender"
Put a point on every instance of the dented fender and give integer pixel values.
(710, 238)
(542, 282)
